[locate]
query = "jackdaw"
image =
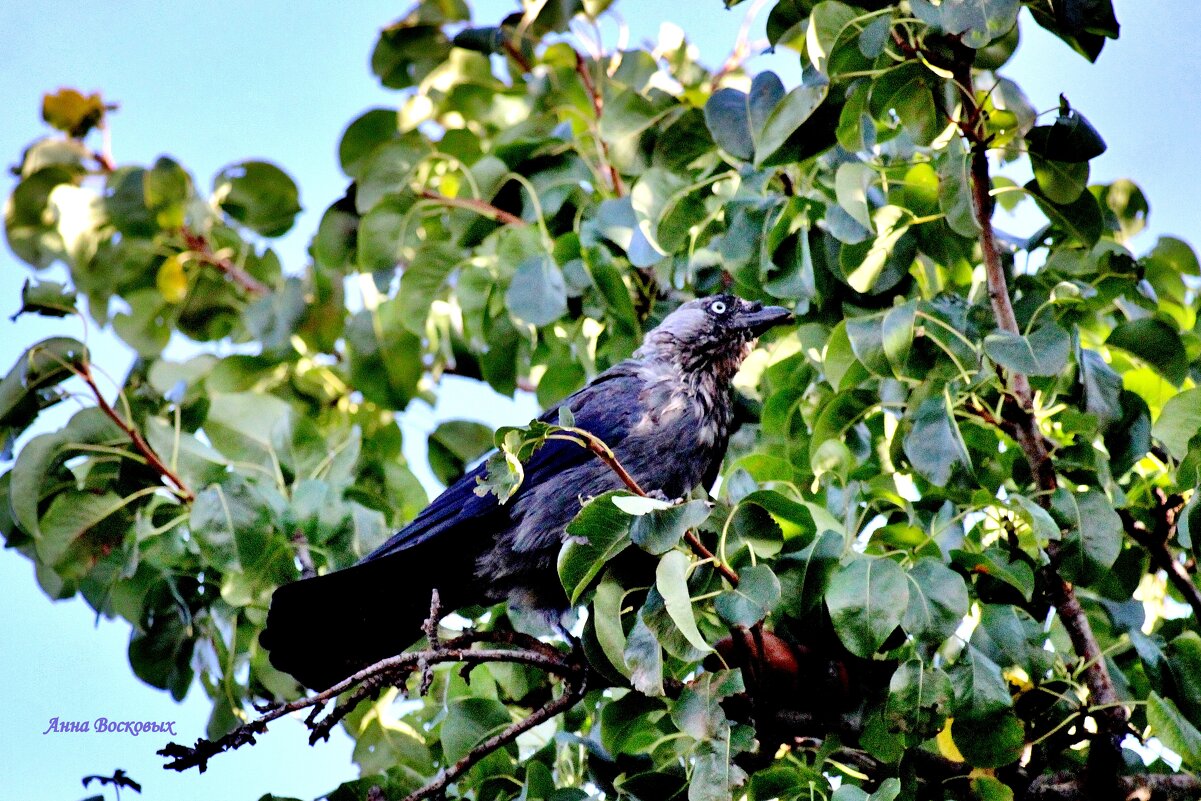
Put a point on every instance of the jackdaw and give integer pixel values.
(666, 413)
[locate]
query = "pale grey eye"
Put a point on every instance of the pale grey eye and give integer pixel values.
(718, 307)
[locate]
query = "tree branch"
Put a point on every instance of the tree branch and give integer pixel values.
(478, 206)
(571, 695)
(1143, 787)
(394, 671)
(1156, 542)
(307, 570)
(139, 442)
(598, 107)
(603, 452)
(199, 247)
(1105, 751)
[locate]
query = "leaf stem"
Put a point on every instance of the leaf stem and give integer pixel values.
(84, 371)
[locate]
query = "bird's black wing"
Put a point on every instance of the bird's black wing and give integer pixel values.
(608, 407)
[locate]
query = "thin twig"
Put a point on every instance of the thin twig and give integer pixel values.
(307, 570)
(200, 250)
(478, 206)
(572, 693)
(394, 670)
(598, 107)
(742, 46)
(517, 56)
(1156, 542)
(694, 542)
(524, 384)
(84, 371)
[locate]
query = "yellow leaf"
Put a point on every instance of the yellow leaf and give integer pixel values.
(68, 110)
(171, 280)
(449, 185)
(946, 746)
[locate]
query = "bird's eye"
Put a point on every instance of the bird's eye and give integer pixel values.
(718, 307)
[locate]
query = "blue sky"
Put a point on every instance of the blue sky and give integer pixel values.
(223, 81)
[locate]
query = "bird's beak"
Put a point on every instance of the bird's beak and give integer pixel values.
(757, 321)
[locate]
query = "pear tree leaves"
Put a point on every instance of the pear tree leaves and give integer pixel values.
(520, 217)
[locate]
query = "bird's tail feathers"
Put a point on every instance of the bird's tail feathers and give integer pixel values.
(324, 629)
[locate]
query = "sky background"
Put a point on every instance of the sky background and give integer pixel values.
(222, 81)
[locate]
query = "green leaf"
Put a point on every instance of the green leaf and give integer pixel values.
(644, 659)
(980, 689)
(955, 192)
(851, 183)
(976, 22)
(995, 562)
(671, 579)
(919, 699)
(259, 195)
(1094, 534)
(421, 283)
(367, 132)
(754, 598)
(938, 601)
(1071, 138)
(71, 515)
(384, 357)
(666, 207)
(1081, 219)
(606, 615)
(828, 22)
(737, 120)
(538, 293)
(867, 600)
(657, 531)
(1102, 387)
(469, 721)
(1174, 730)
(990, 742)
(47, 298)
(1039, 520)
(934, 444)
(455, 444)
(1179, 422)
(1156, 343)
(786, 119)
(905, 92)
(1043, 353)
(1061, 181)
(882, 342)
(698, 713)
(805, 574)
(597, 534)
(30, 474)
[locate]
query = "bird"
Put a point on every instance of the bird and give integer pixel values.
(666, 413)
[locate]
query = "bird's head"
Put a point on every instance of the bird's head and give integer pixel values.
(714, 333)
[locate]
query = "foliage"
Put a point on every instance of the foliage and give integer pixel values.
(967, 458)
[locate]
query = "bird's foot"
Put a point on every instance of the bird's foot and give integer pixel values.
(660, 495)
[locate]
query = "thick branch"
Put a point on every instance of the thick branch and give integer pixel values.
(1105, 752)
(139, 442)
(478, 206)
(201, 251)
